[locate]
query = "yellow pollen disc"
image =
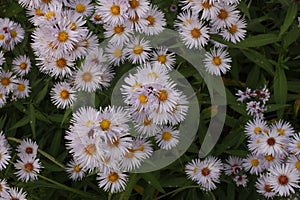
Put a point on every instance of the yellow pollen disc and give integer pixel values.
(21, 87)
(138, 49)
(64, 94)
(130, 153)
(88, 123)
(38, 12)
(105, 124)
(223, 14)
(23, 66)
(195, 33)
(206, 5)
(233, 29)
(97, 18)
(28, 167)
(77, 168)
(151, 20)
(134, 4)
(140, 148)
(195, 170)
(115, 10)
(1, 36)
(162, 95)
(119, 29)
(5, 81)
(153, 74)
(254, 162)
(62, 36)
(13, 33)
(269, 158)
(61, 63)
(147, 121)
(297, 165)
(87, 77)
(281, 131)
(298, 145)
(80, 8)
(257, 130)
(162, 59)
(188, 21)
(90, 149)
(49, 14)
(217, 61)
(118, 53)
(143, 99)
(166, 136)
(113, 177)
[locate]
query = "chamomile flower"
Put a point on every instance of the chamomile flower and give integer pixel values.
(241, 180)
(63, 95)
(14, 193)
(184, 18)
(263, 187)
(284, 179)
(138, 50)
(115, 54)
(113, 11)
(4, 188)
(138, 7)
(113, 181)
(22, 88)
(253, 164)
(194, 35)
(217, 61)
(21, 65)
(256, 127)
(192, 169)
(156, 21)
(294, 144)
(7, 81)
(82, 7)
(226, 16)
(27, 148)
(283, 128)
(27, 168)
(167, 138)
(235, 32)
(146, 127)
(75, 172)
(272, 144)
(233, 165)
(119, 33)
(161, 57)
(269, 161)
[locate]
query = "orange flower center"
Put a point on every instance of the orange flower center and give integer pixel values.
(166, 136)
(113, 177)
(223, 14)
(64, 94)
(80, 8)
(61, 63)
(195, 33)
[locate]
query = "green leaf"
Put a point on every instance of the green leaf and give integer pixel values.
(258, 40)
(66, 115)
(280, 87)
(41, 95)
(291, 37)
(133, 178)
(152, 180)
(11, 9)
(32, 120)
(290, 17)
(25, 120)
(243, 7)
(55, 143)
(259, 59)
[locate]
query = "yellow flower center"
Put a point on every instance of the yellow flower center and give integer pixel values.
(1, 36)
(166, 136)
(62, 36)
(21, 87)
(147, 121)
(217, 61)
(119, 29)
(97, 17)
(23, 66)
(223, 14)
(49, 14)
(80, 8)
(113, 177)
(162, 95)
(105, 124)
(257, 130)
(269, 158)
(162, 59)
(115, 9)
(134, 4)
(64, 94)
(90, 149)
(143, 99)
(117, 53)
(298, 145)
(38, 12)
(195, 33)
(87, 77)
(297, 165)
(61, 63)
(254, 162)
(5, 81)
(13, 33)
(233, 29)
(281, 131)
(206, 5)
(77, 168)
(138, 49)
(151, 20)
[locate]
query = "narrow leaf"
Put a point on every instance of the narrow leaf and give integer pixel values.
(152, 180)
(32, 120)
(25, 120)
(290, 16)
(280, 87)
(258, 40)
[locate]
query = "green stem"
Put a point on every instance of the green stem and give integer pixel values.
(178, 190)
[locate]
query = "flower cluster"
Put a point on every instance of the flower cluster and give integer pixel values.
(11, 33)
(7, 192)
(256, 101)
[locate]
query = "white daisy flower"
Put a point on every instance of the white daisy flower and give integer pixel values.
(28, 168)
(192, 169)
(27, 148)
(7, 81)
(113, 181)
(82, 7)
(156, 21)
(14, 193)
(162, 58)
(208, 9)
(98, 57)
(75, 172)
(21, 65)
(63, 95)
(137, 50)
(226, 16)
(184, 18)
(256, 127)
(253, 164)
(241, 180)
(233, 165)
(263, 187)
(294, 144)
(97, 17)
(217, 61)
(138, 24)
(22, 88)
(85, 116)
(272, 144)
(186, 4)
(119, 146)
(14, 34)
(167, 138)
(115, 54)
(138, 7)
(113, 11)
(283, 128)
(119, 33)
(235, 32)
(269, 161)
(284, 179)
(147, 127)
(194, 35)
(294, 161)
(4, 188)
